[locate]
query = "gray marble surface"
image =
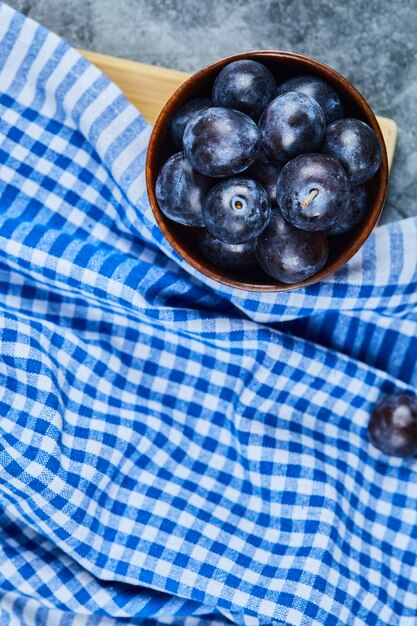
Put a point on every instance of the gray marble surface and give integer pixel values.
(372, 42)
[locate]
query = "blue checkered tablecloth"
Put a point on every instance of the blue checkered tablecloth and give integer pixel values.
(173, 451)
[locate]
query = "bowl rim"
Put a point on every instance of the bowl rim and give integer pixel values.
(325, 70)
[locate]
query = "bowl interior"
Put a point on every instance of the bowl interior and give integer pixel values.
(283, 65)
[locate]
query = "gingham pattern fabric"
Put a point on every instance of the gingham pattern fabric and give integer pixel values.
(173, 451)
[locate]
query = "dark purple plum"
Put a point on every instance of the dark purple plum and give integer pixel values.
(318, 89)
(290, 125)
(357, 208)
(221, 142)
(355, 145)
(180, 191)
(289, 254)
(313, 191)
(393, 425)
(236, 210)
(184, 114)
(266, 171)
(245, 85)
(238, 257)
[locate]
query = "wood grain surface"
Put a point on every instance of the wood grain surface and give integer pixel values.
(148, 87)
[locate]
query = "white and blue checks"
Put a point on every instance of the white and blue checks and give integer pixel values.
(172, 451)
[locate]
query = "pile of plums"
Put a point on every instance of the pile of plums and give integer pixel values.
(268, 172)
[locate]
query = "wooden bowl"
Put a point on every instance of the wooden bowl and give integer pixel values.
(185, 239)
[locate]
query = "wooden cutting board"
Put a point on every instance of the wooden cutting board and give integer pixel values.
(148, 87)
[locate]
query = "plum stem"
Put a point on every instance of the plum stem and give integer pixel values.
(313, 193)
